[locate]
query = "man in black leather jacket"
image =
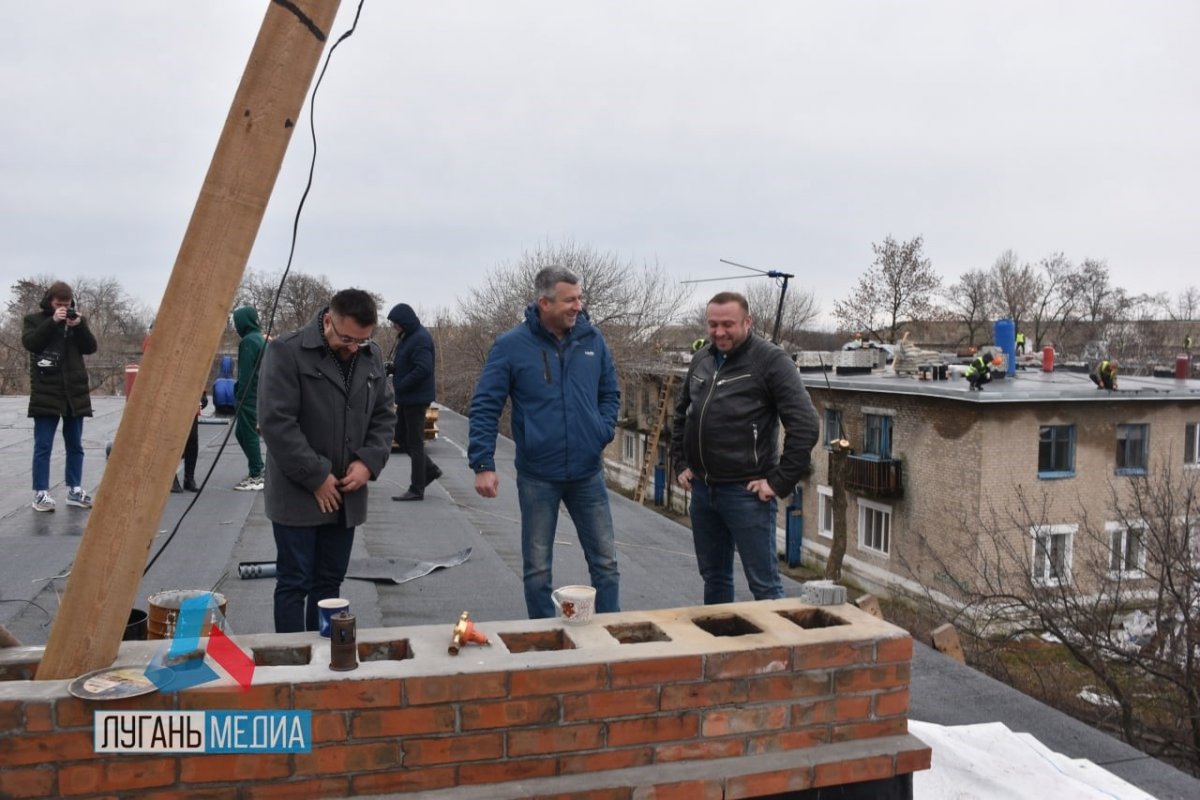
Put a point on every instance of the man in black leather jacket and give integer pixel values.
(725, 447)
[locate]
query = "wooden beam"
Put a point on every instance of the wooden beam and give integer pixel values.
(187, 330)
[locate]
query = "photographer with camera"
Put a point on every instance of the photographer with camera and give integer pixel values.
(57, 338)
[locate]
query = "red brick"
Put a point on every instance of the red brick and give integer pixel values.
(455, 688)
(46, 748)
(856, 770)
(198, 793)
(38, 718)
(558, 739)
(515, 769)
(611, 793)
(404, 781)
(511, 714)
(318, 787)
(70, 712)
(35, 782)
(780, 782)
(789, 687)
(453, 749)
(839, 709)
(338, 695)
(703, 750)
(890, 704)
(620, 703)
(674, 727)
(560, 680)
(889, 650)
(348, 758)
(747, 662)
(224, 768)
(832, 654)
(912, 760)
(683, 790)
(656, 670)
(402, 722)
(869, 730)
(788, 740)
(706, 694)
(273, 696)
(605, 760)
(329, 727)
(893, 676)
(116, 775)
(725, 722)
(12, 715)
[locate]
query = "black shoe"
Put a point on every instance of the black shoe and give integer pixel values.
(409, 495)
(432, 476)
(189, 485)
(175, 487)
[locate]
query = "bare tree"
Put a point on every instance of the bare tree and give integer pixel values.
(968, 302)
(1098, 302)
(299, 298)
(1011, 577)
(1055, 302)
(1181, 306)
(1013, 289)
(899, 286)
(627, 301)
(799, 309)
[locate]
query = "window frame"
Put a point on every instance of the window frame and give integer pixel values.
(1069, 444)
(832, 420)
(877, 431)
(1125, 452)
(1123, 530)
(629, 438)
(824, 509)
(1045, 579)
(1191, 440)
(865, 506)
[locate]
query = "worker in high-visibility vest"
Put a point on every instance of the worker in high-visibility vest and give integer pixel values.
(698, 345)
(1105, 376)
(1020, 344)
(979, 371)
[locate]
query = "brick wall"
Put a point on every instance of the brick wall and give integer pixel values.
(738, 701)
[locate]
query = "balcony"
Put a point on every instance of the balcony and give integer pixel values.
(874, 477)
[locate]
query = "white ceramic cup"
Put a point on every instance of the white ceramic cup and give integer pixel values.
(326, 609)
(575, 604)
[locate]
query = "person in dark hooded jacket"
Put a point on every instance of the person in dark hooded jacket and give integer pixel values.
(57, 338)
(245, 322)
(413, 382)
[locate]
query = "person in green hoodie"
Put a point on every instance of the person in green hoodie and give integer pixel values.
(245, 322)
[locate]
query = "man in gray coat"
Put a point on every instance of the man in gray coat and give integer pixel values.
(326, 413)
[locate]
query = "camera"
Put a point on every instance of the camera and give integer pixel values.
(72, 313)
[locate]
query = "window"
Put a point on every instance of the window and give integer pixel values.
(833, 425)
(1056, 451)
(825, 511)
(1052, 554)
(878, 439)
(1133, 445)
(875, 527)
(1127, 551)
(629, 447)
(1191, 444)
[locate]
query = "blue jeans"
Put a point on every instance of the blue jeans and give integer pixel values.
(43, 442)
(310, 563)
(726, 517)
(587, 503)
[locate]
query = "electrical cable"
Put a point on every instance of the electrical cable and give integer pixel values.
(278, 292)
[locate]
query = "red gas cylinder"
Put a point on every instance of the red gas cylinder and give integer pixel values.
(131, 371)
(1182, 363)
(1047, 359)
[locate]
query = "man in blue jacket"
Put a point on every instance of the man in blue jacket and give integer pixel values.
(413, 381)
(557, 369)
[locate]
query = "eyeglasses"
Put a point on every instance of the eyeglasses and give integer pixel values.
(347, 340)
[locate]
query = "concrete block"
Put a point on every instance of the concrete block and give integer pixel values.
(823, 593)
(870, 604)
(945, 640)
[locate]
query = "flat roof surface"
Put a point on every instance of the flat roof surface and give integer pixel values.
(658, 568)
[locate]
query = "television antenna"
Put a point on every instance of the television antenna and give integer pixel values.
(782, 277)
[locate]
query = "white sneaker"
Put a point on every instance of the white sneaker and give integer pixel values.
(250, 484)
(42, 501)
(79, 498)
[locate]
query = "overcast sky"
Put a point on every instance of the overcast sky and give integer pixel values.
(782, 134)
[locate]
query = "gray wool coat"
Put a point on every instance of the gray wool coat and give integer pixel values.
(313, 426)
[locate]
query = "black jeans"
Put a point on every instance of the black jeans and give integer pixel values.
(191, 451)
(410, 435)
(310, 564)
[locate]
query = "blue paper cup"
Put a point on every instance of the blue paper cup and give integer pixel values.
(325, 611)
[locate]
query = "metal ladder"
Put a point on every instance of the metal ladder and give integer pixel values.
(660, 419)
